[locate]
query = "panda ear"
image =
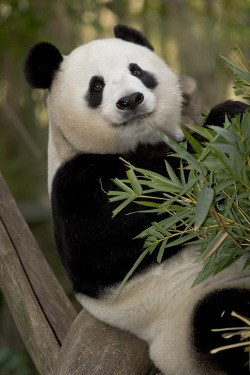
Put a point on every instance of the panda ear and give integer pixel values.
(132, 35)
(40, 65)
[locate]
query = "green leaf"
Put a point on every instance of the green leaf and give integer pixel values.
(134, 182)
(149, 204)
(155, 233)
(245, 125)
(215, 238)
(118, 196)
(160, 229)
(223, 185)
(204, 201)
(172, 174)
(200, 130)
(188, 186)
(227, 148)
(226, 161)
(247, 264)
(161, 250)
(193, 142)
(226, 262)
(240, 73)
(230, 136)
(172, 220)
(182, 174)
(229, 205)
(122, 206)
(183, 239)
(202, 276)
(179, 149)
(123, 186)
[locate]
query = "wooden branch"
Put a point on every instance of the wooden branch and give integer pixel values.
(53, 301)
(92, 347)
(28, 315)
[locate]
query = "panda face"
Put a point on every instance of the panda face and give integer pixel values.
(105, 94)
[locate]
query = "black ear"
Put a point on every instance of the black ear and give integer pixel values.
(40, 65)
(230, 108)
(132, 35)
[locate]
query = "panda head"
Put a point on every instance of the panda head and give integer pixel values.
(103, 95)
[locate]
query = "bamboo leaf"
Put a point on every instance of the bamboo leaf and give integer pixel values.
(240, 73)
(172, 174)
(245, 125)
(182, 174)
(223, 185)
(134, 182)
(161, 229)
(161, 251)
(204, 201)
(226, 161)
(182, 239)
(201, 131)
(155, 233)
(247, 263)
(179, 149)
(227, 148)
(202, 276)
(122, 206)
(213, 243)
(230, 136)
(148, 203)
(193, 142)
(123, 186)
(229, 205)
(152, 247)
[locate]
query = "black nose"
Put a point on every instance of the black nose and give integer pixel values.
(131, 101)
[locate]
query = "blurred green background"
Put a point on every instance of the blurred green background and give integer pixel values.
(189, 34)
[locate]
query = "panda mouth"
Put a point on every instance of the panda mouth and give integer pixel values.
(139, 116)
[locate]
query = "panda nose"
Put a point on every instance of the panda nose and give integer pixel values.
(131, 101)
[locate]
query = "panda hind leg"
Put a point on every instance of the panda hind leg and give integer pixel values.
(214, 312)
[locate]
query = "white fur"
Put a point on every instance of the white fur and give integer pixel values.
(157, 306)
(75, 127)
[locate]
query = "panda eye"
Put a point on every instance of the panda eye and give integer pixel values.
(135, 70)
(95, 91)
(147, 78)
(97, 86)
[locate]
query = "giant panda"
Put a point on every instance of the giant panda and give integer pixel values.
(100, 100)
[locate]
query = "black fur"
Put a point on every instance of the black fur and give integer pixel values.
(148, 79)
(217, 115)
(97, 251)
(214, 311)
(132, 35)
(40, 65)
(230, 108)
(95, 92)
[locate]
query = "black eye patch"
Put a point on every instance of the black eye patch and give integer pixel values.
(95, 92)
(148, 79)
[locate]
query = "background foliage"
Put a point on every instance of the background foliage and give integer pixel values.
(189, 34)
